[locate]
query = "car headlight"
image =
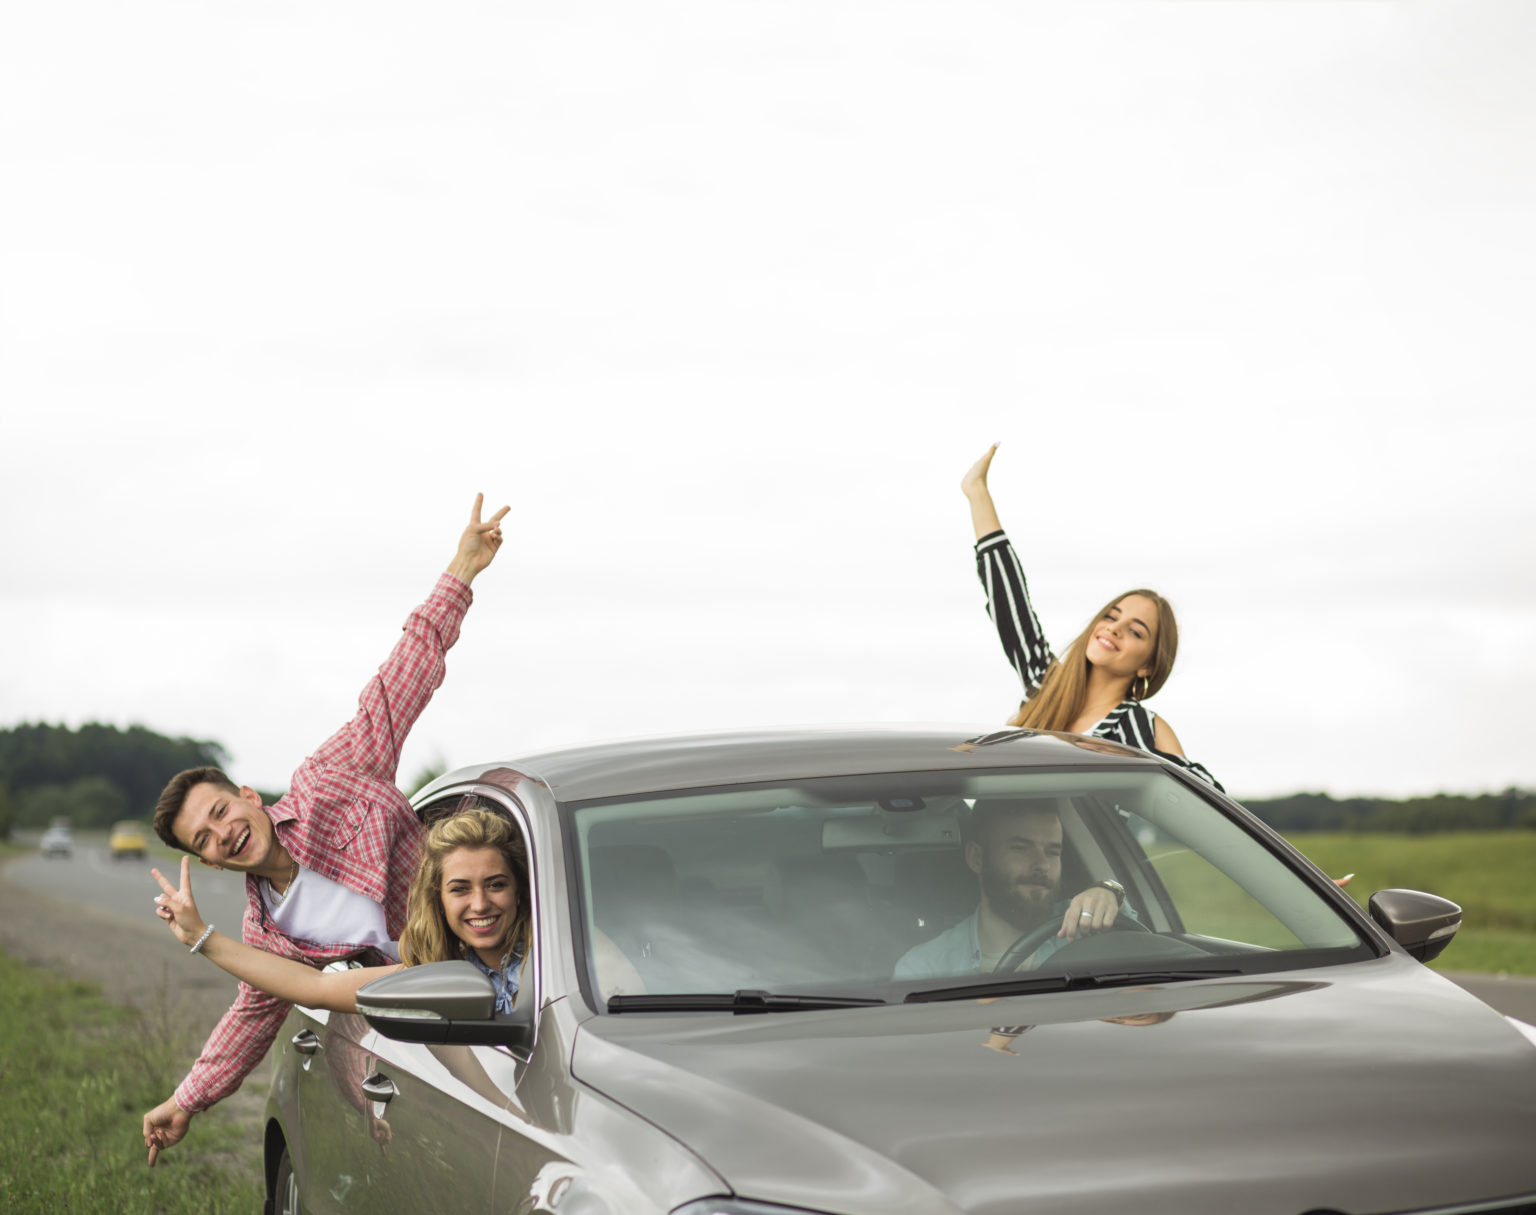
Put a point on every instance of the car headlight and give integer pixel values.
(738, 1206)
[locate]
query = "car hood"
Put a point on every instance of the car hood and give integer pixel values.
(1371, 1087)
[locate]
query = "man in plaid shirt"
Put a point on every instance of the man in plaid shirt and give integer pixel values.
(329, 865)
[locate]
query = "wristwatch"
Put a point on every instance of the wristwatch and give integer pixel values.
(1114, 888)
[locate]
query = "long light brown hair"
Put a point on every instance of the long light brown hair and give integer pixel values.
(1064, 690)
(426, 937)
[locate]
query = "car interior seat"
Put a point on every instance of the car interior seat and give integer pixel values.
(934, 890)
(637, 901)
(832, 926)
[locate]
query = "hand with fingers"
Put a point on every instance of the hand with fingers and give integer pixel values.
(974, 486)
(164, 1126)
(1093, 911)
(479, 544)
(177, 908)
(975, 480)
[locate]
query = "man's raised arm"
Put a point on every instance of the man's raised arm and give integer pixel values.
(394, 698)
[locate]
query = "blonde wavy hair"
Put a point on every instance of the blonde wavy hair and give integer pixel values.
(426, 937)
(1064, 690)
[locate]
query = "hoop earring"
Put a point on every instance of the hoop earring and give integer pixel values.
(1146, 689)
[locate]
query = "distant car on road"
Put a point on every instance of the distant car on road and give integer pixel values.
(57, 842)
(127, 840)
(806, 1021)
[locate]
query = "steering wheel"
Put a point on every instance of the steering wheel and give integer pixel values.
(1040, 934)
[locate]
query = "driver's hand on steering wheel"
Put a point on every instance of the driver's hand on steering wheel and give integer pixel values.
(1093, 911)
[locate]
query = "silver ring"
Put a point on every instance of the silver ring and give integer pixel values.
(1085, 915)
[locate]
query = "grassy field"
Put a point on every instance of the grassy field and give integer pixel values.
(76, 1075)
(1492, 874)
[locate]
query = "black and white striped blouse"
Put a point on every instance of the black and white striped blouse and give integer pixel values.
(997, 565)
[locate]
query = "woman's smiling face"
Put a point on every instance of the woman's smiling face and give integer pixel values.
(1124, 639)
(480, 900)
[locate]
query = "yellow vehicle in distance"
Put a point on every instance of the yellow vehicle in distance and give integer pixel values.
(127, 840)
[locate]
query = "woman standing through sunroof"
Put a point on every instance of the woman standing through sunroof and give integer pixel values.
(1100, 685)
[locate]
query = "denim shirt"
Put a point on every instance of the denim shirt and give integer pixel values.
(505, 980)
(957, 951)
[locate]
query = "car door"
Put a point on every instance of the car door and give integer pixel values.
(440, 1112)
(451, 1121)
(329, 1057)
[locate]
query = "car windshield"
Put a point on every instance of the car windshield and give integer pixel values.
(875, 885)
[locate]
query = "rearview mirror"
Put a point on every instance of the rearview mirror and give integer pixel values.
(442, 1002)
(1423, 924)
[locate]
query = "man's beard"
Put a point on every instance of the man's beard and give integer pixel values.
(1023, 909)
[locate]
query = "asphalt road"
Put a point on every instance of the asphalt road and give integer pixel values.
(1512, 995)
(124, 891)
(125, 887)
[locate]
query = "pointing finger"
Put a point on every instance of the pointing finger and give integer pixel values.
(164, 885)
(474, 515)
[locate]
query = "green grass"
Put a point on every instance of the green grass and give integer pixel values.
(1492, 874)
(1210, 902)
(76, 1077)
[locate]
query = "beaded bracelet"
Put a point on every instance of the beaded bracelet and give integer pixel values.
(207, 932)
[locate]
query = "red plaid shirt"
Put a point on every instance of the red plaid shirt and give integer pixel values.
(342, 817)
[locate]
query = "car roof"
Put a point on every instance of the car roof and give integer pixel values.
(649, 765)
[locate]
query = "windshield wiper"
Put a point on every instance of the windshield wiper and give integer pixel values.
(745, 1001)
(1032, 984)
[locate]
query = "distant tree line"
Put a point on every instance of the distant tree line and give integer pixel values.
(93, 776)
(98, 774)
(1413, 816)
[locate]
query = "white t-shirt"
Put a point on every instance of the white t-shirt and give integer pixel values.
(314, 908)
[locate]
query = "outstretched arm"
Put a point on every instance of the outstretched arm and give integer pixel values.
(393, 699)
(997, 565)
(974, 486)
(281, 977)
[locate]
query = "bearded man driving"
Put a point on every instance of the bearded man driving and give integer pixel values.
(1014, 849)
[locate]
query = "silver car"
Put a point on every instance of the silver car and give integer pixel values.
(786, 1014)
(57, 841)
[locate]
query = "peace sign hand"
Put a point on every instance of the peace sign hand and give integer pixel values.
(176, 907)
(479, 543)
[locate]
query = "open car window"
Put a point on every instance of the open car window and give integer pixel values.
(505, 806)
(837, 884)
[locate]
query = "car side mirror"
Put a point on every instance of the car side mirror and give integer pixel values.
(1423, 924)
(443, 1002)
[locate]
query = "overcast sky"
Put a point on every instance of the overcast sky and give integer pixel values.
(723, 298)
